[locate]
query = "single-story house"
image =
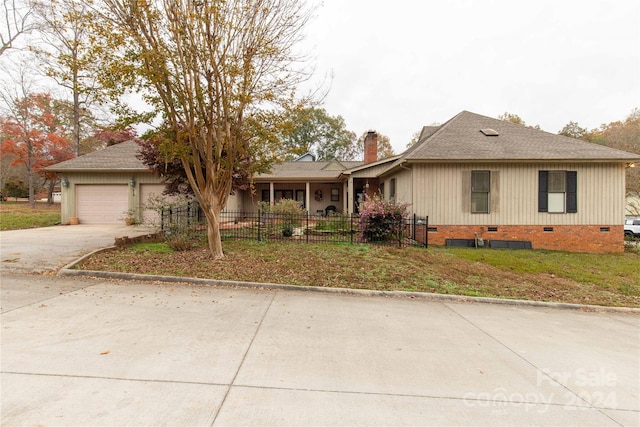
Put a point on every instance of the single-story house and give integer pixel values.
(471, 176)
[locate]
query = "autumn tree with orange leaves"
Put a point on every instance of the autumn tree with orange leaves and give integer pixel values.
(32, 134)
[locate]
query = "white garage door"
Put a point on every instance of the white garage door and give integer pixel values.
(102, 204)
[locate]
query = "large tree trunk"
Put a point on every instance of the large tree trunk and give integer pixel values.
(50, 188)
(211, 206)
(32, 198)
(213, 231)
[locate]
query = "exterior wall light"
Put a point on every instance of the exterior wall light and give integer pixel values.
(132, 182)
(631, 165)
(65, 182)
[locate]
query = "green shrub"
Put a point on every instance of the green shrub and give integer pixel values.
(334, 222)
(181, 234)
(287, 230)
(289, 212)
(286, 211)
(16, 189)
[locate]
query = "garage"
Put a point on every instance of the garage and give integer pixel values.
(102, 204)
(154, 191)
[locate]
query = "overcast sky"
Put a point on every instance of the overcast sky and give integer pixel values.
(399, 65)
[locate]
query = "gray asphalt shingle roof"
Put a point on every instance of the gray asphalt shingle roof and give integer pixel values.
(461, 138)
(307, 170)
(115, 158)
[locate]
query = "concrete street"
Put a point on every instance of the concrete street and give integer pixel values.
(96, 352)
(78, 351)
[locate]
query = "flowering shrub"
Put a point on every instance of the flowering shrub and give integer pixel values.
(381, 219)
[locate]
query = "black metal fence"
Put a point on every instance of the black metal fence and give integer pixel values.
(302, 227)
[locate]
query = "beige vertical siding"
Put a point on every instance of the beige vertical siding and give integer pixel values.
(371, 171)
(405, 187)
(438, 192)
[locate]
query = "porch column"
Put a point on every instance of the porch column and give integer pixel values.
(345, 191)
(307, 198)
(271, 194)
(350, 196)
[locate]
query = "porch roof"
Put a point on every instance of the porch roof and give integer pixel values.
(308, 171)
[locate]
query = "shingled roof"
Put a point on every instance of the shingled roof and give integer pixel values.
(322, 170)
(462, 139)
(115, 158)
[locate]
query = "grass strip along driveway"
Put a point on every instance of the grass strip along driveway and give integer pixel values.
(597, 279)
(20, 215)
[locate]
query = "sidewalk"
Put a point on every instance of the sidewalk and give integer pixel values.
(78, 351)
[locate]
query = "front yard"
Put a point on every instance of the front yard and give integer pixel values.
(611, 280)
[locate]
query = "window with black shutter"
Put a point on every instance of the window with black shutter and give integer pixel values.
(557, 191)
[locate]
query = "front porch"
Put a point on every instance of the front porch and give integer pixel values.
(314, 197)
(317, 197)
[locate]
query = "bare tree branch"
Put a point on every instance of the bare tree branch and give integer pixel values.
(16, 21)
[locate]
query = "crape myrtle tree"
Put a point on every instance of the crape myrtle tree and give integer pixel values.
(174, 175)
(220, 73)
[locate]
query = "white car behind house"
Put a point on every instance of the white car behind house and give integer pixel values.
(632, 227)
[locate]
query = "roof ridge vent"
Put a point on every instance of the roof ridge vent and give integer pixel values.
(489, 132)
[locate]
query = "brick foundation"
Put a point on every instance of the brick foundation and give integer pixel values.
(571, 238)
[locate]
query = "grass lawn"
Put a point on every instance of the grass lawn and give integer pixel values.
(19, 215)
(611, 280)
(599, 279)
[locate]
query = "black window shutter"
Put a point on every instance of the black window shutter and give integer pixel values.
(572, 190)
(543, 184)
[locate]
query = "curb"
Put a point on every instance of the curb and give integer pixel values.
(68, 270)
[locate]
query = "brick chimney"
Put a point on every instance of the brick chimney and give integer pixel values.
(371, 147)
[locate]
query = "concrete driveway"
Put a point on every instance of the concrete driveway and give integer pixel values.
(94, 352)
(43, 249)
